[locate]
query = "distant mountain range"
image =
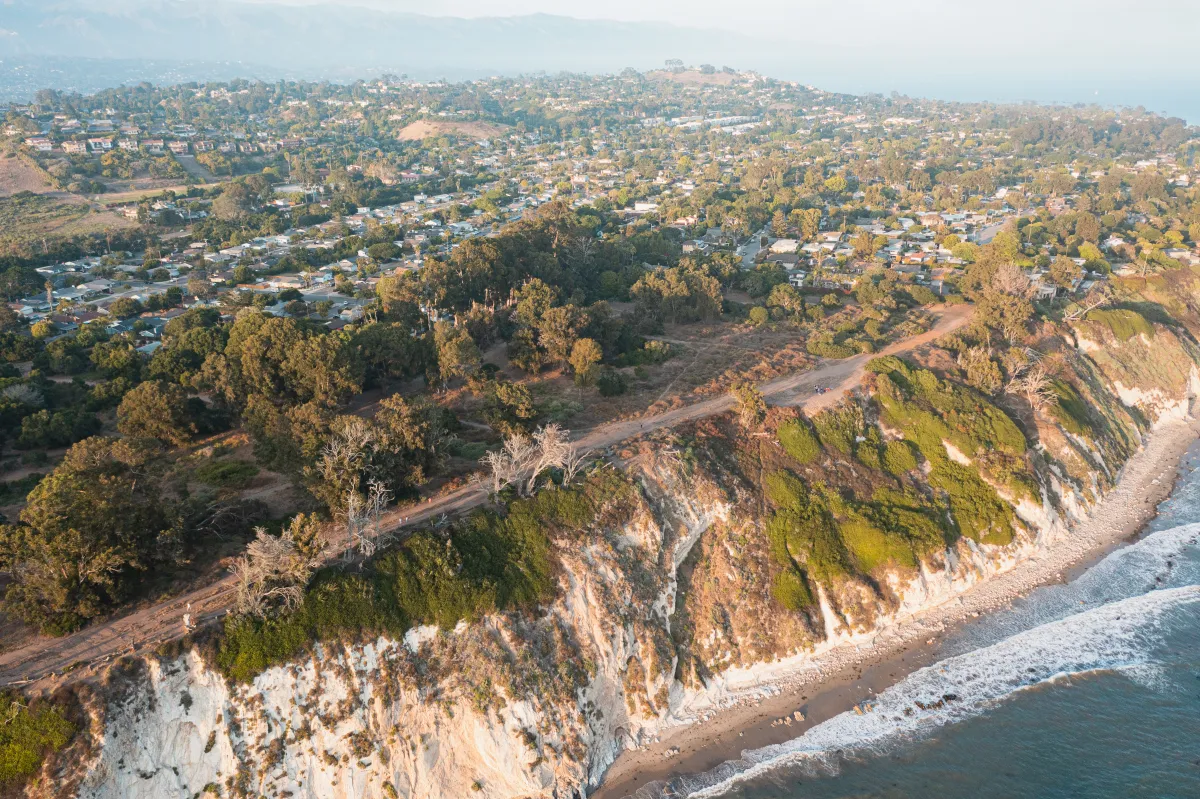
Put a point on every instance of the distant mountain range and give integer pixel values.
(343, 41)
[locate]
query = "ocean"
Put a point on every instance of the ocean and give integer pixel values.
(1090, 688)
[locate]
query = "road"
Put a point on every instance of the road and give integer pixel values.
(145, 629)
(749, 250)
(196, 169)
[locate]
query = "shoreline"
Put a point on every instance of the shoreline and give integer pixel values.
(837, 680)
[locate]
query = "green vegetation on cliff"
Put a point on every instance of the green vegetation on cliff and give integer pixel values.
(27, 735)
(936, 415)
(488, 562)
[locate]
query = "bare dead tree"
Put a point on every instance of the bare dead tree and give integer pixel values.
(273, 573)
(1011, 279)
(1035, 386)
(358, 519)
(573, 462)
(1096, 298)
(510, 463)
(500, 465)
(552, 446)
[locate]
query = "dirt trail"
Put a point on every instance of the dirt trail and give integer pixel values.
(45, 658)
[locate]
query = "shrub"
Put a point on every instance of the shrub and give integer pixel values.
(931, 411)
(759, 315)
(825, 347)
(46, 430)
(1122, 323)
(872, 548)
(898, 457)
(868, 455)
(27, 736)
(611, 383)
(16, 490)
(791, 591)
(839, 427)
(227, 474)
(798, 441)
(1070, 410)
(491, 562)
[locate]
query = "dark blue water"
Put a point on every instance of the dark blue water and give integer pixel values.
(1088, 689)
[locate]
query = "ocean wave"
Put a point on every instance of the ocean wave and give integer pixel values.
(1166, 559)
(1121, 636)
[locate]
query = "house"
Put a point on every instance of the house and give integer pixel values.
(75, 147)
(179, 147)
(96, 287)
(1045, 291)
(154, 146)
(39, 143)
(203, 146)
(785, 246)
(128, 145)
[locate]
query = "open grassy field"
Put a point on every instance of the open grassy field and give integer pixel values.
(137, 195)
(27, 216)
(17, 174)
(428, 128)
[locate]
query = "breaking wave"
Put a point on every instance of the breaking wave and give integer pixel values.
(1118, 637)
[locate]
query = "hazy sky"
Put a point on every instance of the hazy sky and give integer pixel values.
(1110, 51)
(1108, 24)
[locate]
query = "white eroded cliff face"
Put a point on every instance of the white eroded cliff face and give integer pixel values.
(508, 706)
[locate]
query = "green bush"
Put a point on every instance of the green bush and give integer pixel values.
(872, 548)
(16, 490)
(27, 736)
(491, 562)
(1122, 322)
(790, 590)
(898, 458)
(611, 383)
(839, 427)
(826, 348)
(227, 474)
(868, 455)
(759, 315)
(798, 441)
(49, 430)
(1070, 410)
(931, 411)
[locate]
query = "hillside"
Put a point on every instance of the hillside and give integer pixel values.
(431, 128)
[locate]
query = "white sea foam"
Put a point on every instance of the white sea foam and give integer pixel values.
(1165, 559)
(1120, 636)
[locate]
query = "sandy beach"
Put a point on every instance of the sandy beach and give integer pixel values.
(849, 674)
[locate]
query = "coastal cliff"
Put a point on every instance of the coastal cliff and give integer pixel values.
(712, 563)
